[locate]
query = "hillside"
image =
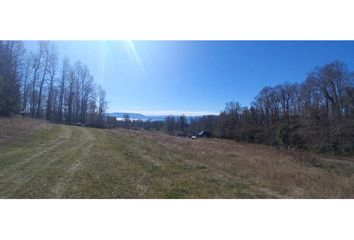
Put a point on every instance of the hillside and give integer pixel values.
(43, 160)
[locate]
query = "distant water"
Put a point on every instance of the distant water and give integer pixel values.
(137, 116)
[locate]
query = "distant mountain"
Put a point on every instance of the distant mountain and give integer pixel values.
(131, 115)
(138, 116)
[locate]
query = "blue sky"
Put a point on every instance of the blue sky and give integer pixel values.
(196, 77)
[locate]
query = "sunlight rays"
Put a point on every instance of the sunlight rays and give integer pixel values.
(102, 53)
(130, 47)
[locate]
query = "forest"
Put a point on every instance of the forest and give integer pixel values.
(40, 85)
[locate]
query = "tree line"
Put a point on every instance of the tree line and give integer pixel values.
(316, 114)
(40, 85)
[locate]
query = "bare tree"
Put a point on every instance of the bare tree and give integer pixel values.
(62, 86)
(37, 61)
(25, 80)
(102, 103)
(52, 70)
(127, 122)
(48, 50)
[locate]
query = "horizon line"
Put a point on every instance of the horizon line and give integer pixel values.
(167, 112)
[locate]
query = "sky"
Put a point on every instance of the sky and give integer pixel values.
(196, 77)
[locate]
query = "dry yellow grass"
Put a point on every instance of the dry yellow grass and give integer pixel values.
(18, 127)
(42, 160)
(277, 173)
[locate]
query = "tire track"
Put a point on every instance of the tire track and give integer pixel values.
(88, 141)
(16, 176)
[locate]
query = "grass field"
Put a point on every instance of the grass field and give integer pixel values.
(43, 160)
